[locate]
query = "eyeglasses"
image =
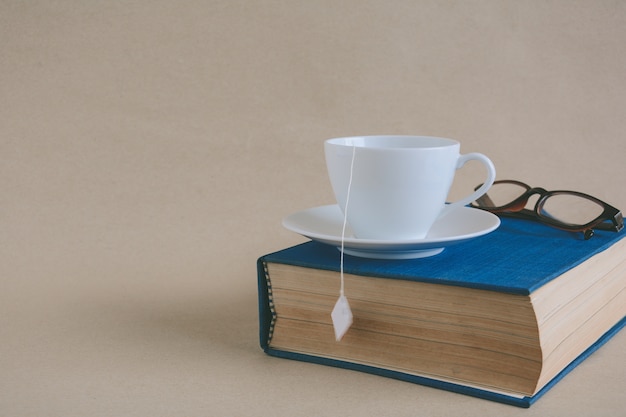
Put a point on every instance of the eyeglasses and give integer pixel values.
(568, 210)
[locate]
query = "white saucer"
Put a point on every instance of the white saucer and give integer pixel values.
(323, 224)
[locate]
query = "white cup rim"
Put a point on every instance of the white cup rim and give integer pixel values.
(390, 142)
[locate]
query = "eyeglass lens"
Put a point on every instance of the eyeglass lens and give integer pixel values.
(501, 194)
(571, 209)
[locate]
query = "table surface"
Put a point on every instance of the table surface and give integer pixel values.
(149, 150)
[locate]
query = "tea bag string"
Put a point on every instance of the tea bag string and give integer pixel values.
(341, 314)
(345, 222)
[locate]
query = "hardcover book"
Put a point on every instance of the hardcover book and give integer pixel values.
(502, 317)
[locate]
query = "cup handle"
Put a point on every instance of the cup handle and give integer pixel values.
(491, 177)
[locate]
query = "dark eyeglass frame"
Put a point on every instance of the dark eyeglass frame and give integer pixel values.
(516, 208)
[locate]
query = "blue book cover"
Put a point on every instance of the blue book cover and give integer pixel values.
(517, 258)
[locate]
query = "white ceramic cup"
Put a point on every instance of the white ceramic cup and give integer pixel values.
(399, 183)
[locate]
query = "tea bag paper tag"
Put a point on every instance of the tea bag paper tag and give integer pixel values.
(342, 317)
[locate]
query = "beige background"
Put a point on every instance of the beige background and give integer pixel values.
(150, 149)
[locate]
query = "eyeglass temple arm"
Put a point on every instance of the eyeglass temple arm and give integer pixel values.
(522, 214)
(485, 200)
(616, 225)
